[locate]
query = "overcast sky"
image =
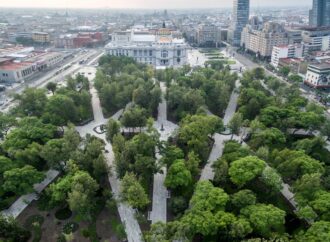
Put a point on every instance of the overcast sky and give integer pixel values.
(154, 4)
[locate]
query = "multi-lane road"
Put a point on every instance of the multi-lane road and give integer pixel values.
(56, 75)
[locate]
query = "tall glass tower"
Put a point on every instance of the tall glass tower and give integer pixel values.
(320, 14)
(241, 12)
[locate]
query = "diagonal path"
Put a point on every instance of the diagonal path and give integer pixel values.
(220, 139)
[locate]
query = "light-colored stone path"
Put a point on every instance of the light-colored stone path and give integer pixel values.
(22, 202)
(126, 213)
(159, 198)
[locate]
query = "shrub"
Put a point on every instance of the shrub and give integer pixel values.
(70, 227)
(63, 213)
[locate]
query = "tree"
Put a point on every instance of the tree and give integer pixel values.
(81, 198)
(132, 192)
(6, 164)
(195, 130)
(236, 123)
(246, 169)
(134, 117)
(206, 214)
(272, 137)
(208, 198)
(6, 122)
(284, 71)
(32, 102)
(243, 198)
(259, 73)
(178, 176)
(192, 163)
(112, 128)
(11, 231)
(240, 228)
(56, 114)
(295, 78)
(52, 152)
(31, 156)
(321, 205)
(21, 180)
(170, 154)
(264, 219)
(298, 164)
(271, 179)
(51, 86)
(318, 232)
(307, 187)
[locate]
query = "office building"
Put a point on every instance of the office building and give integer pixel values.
(240, 19)
(320, 13)
(316, 39)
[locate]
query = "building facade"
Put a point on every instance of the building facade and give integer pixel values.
(208, 35)
(241, 12)
(159, 49)
(316, 39)
(286, 51)
(261, 42)
(318, 75)
(40, 37)
(320, 13)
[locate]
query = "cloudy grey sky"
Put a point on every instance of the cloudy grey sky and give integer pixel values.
(145, 3)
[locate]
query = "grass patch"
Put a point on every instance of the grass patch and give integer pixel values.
(33, 223)
(119, 229)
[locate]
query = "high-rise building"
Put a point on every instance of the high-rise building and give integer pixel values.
(320, 13)
(241, 11)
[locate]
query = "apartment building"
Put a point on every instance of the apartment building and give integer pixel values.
(262, 41)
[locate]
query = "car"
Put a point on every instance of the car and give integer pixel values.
(89, 73)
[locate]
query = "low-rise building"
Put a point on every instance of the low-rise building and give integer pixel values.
(18, 63)
(286, 51)
(159, 49)
(318, 75)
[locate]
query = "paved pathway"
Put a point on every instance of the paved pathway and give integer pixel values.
(159, 199)
(232, 105)
(126, 213)
(21, 203)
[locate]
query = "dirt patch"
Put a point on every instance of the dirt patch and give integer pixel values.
(52, 227)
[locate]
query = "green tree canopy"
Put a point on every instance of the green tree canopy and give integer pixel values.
(132, 192)
(246, 169)
(21, 180)
(178, 175)
(264, 219)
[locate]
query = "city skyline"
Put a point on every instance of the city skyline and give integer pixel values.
(145, 4)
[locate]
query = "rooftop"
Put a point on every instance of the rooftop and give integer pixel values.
(9, 66)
